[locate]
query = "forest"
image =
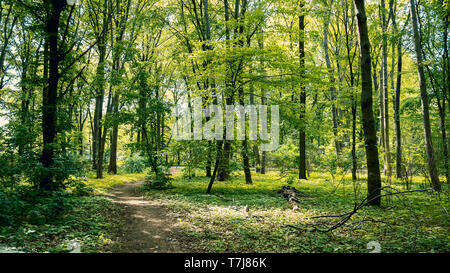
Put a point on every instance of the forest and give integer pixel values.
(317, 126)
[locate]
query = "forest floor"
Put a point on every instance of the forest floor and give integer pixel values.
(120, 215)
(148, 225)
(237, 217)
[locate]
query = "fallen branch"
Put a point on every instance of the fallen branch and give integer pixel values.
(345, 217)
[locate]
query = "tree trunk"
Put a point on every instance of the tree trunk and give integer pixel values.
(100, 94)
(219, 156)
(445, 90)
(352, 83)
(435, 183)
(207, 47)
(224, 163)
(442, 114)
(337, 145)
(112, 167)
(256, 156)
(263, 153)
(381, 119)
(398, 134)
(244, 153)
(103, 132)
(50, 94)
(302, 135)
(7, 34)
(385, 94)
(375, 90)
(98, 114)
(263, 100)
(370, 137)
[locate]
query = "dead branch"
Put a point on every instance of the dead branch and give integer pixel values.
(345, 217)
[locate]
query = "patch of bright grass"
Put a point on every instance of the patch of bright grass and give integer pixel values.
(108, 181)
(415, 222)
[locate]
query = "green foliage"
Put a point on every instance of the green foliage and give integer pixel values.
(37, 223)
(285, 158)
(27, 206)
(78, 186)
(90, 220)
(189, 172)
(290, 180)
(218, 223)
(254, 57)
(135, 164)
(158, 181)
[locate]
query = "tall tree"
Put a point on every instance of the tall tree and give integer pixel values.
(302, 70)
(99, 21)
(118, 27)
(334, 111)
(50, 93)
(224, 163)
(398, 135)
(370, 137)
(385, 91)
(8, 20)
(348, 28)
(434, 177)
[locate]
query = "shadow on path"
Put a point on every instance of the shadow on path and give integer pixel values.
(148, 226)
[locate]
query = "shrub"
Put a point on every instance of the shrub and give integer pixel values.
(159, 181)
(17, 207)
(78, 186)
(290, 180)
(135, 164)
(189, 173)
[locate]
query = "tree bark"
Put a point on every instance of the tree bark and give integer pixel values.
(398, 134)
(352, 82)
(256, 156)
(337, 145)
(100, 95)
(219, 156)
(385, 93)
(98, 114)
(7, 34)
(302, 134)
(370, 137)
(445, 90)
(434, 176)
(112, 167)
(50, 94)
(263, 99)
(224, 163)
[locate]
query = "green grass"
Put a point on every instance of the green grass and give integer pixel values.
(108, 181)
(91, 220)
(48, 224)
(217, 223)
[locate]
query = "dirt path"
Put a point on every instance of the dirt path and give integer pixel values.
(148, 226)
